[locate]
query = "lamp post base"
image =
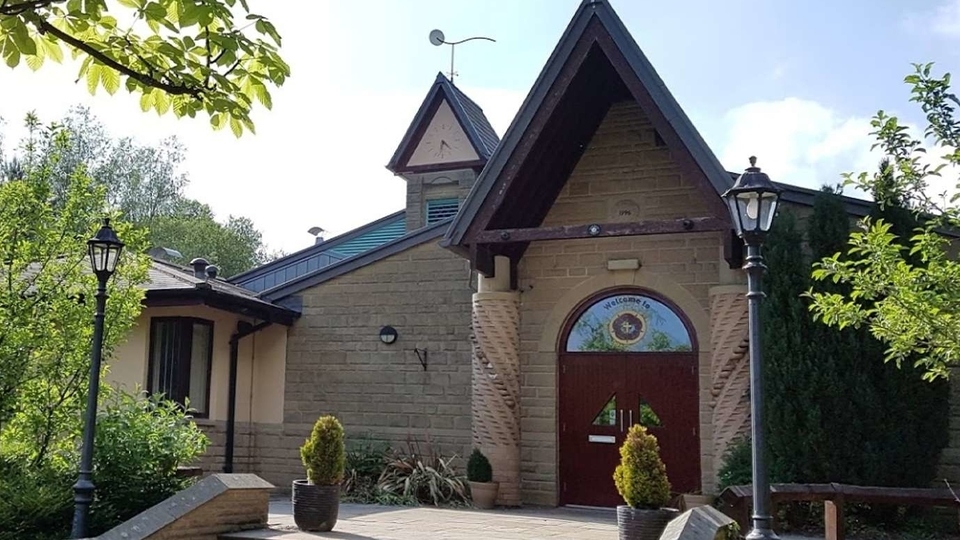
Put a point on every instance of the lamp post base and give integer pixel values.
(762, 533)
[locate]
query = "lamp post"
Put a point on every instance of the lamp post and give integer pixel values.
(753, 203)
(104, 251)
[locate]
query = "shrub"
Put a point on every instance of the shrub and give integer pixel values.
(141, 442)
(641, 476)
(430, 478)
(737, 466)
(324, 454)
(478, 467)
(364, 465)
(35, 503)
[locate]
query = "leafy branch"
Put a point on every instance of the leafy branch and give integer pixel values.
(187, 56)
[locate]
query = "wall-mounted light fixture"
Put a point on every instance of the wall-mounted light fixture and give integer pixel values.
(388, 335)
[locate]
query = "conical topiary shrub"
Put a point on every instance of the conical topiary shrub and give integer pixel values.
(641, 479)
(324, 454)
(316, 500)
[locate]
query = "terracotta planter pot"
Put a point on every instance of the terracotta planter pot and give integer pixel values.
(315, 508)
(642, 524)
(484, 494)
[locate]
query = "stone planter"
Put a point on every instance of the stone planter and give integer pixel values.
(484, 494)
(315, 508)
(643, 524)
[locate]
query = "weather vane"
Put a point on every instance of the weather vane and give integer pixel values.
(437, 38)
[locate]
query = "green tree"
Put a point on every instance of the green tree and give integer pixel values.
(145, 183)
(46, 297)
(185, 56)
(819, 377)
(903, 285)
(234, 246)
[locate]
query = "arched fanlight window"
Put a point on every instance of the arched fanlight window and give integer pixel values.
(629, 323)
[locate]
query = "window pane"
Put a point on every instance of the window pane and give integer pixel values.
(629, 323)
(166, 354)
(648, 418)
(200, 366)
(608, 414)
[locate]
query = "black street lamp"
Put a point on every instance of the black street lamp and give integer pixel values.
(104, 251)
(753, 203)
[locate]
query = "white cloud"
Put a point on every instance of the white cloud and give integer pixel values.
(798, 141)
(942, 20)
(945, 20)
(807, 144)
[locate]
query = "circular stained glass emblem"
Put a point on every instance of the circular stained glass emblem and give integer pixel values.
(628, 327)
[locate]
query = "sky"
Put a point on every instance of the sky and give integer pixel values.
(794, 83)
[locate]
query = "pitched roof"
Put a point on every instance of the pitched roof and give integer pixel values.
(320, 255)
(409, 240)
(486, 135)
(595, 63)
(172, 284)
(483, 138)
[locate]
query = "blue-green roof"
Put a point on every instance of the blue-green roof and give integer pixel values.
(318, 256)
(374, 238)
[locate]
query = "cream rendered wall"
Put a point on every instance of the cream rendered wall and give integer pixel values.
(260, 366)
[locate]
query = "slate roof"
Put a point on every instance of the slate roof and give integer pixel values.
(171, 284)
(475, 124)
(486, 135)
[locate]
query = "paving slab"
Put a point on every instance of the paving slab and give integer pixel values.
(376, 522)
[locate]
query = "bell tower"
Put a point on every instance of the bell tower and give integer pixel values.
(442, 153)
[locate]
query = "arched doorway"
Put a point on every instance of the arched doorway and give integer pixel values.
(627, 356)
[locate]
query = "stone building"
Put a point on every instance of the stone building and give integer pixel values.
(544, 292)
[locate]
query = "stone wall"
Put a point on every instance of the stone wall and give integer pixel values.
(337, 365)
(217, 505)
(432, 186)
(623, 175)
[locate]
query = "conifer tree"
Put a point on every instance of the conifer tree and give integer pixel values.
(835, 411)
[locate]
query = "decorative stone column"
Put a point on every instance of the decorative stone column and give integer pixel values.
(496, 381)
(730, 388)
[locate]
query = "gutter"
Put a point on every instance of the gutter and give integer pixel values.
(244, 329)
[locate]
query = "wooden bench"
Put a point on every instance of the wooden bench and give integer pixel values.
(738, 500)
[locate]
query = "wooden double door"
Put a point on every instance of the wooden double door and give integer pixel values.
(601, 395)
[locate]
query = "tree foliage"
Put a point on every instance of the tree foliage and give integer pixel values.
(145, 183)
(904, 285)
(46, 306)
(185, 56)
(46, 294)
(234, 246)
(819, 377)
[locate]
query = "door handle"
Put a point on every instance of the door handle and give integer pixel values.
(621, 420)
(631, 418)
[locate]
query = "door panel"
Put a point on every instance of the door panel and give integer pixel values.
(667, 383)
(589, 450)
